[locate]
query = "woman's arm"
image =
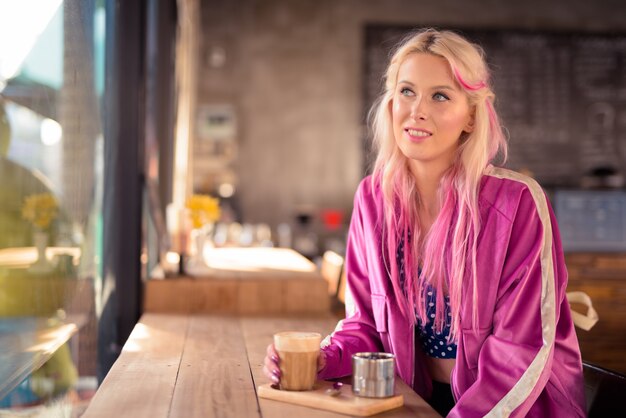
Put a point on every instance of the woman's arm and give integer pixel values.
(515, 360)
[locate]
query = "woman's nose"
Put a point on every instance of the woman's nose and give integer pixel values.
(418, 110)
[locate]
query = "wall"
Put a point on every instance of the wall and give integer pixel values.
(293, 72)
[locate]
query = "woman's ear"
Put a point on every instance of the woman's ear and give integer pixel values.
(469, 127)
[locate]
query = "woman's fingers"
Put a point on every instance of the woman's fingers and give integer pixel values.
(272, 354)
(271, 364)
(321, 361)
(270, 375)
(271, 368)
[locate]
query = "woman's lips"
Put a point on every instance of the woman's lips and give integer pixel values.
(417, 135)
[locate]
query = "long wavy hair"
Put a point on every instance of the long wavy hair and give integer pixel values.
(448, 254)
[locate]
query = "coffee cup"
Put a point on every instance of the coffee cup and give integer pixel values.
(373, 374)
(298, 353)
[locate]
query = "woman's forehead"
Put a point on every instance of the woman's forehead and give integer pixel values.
(428, 69)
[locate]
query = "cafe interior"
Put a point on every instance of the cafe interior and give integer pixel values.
(177, 181)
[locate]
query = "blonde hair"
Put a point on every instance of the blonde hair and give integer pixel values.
(450, 245)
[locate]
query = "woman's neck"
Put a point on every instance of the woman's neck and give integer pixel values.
(428, 178)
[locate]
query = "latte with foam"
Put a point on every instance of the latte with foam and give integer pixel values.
(298, 353)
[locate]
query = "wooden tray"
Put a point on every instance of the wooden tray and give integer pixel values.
(345, 403)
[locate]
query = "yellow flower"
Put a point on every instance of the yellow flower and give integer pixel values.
(40, 209)
(203, 209)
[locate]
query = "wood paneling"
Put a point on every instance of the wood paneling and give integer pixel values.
(603, 278)
(247, 281)
(245, 296)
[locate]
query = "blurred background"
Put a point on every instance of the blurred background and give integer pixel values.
(114, 114)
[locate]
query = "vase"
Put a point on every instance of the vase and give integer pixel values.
(201, 239)
(41, 264)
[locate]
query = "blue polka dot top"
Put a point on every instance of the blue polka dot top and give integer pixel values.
(433, 343)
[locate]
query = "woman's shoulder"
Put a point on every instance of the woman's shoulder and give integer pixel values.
(504, 179)
(369, 188)
(505, 190)
(368, 195)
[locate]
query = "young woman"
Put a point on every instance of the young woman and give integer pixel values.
(454, 265)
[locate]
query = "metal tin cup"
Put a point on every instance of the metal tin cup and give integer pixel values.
(373, 374)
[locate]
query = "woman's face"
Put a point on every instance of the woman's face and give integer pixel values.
(429, 110)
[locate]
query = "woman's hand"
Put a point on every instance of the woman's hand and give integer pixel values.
(271, 364)
(321, 361)
(271, 368)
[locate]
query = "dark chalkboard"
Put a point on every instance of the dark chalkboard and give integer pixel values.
(561, 97)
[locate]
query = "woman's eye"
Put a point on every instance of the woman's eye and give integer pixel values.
(440, 97)
(406, 91)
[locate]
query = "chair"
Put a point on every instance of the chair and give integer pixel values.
(587, 320)
(344, 296)
(605, 391)
(341, 288)
(333, 271)
(332, 265)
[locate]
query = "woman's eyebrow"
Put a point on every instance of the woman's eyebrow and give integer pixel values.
(439, 87)
(443, 87)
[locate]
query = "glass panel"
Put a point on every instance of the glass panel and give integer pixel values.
(51, 78)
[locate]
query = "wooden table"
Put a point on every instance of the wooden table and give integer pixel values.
(209, 366)
(246, 281)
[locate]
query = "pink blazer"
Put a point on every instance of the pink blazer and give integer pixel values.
(525, 359)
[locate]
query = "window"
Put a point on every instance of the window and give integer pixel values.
(51, 182)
